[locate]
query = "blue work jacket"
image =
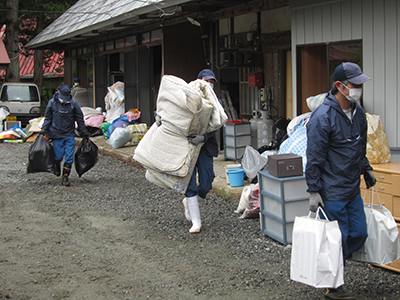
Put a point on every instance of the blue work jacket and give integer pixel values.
(336, 149)
(60, 118)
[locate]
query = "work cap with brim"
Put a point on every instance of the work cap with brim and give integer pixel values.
(351, 72)
(65, 91)
(207, 74)
(77, 79)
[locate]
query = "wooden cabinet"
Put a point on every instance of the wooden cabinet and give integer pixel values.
(388, 186)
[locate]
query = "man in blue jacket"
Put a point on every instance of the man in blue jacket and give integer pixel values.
(336, 158)
(62, 112)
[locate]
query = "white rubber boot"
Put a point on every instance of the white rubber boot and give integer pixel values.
(187, 212)
(194, 210)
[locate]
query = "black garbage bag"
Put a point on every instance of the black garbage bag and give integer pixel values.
(93, 131)
(86, 156)
(279, 128)
(41, 156)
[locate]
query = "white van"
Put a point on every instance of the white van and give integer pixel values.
(21, 100)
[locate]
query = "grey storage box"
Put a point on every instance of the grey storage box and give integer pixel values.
(281, 200)
(285, 165)
(236, 137)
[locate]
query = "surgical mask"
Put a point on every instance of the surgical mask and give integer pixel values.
(76, 83)
(211, 85)
(354, 94)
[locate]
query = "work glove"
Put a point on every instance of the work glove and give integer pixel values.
(158, 120)
(315, 201)
(369, 179)
(196, 139)
(42, 132)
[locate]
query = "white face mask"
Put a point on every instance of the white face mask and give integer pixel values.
(211, 84)
(354, 94)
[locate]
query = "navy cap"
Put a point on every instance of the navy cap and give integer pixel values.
(351, 72)
(77, 79)
(207, 74)
(65, 91)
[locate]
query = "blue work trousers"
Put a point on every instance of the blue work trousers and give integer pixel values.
(205, 168)
(352, 223)
(64, 147)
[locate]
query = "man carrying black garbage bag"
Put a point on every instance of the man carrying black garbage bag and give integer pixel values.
(336, 158)
(62, 112)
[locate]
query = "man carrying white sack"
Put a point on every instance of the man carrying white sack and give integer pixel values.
(204, 166)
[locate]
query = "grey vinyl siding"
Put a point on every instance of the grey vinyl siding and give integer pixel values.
(377, 24)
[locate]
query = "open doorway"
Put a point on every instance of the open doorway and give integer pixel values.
(315, 66)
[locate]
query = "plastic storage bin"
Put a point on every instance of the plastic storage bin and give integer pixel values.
(281, 200)
(238, 141)
(236, 137)
(243, 128)
(234, 153)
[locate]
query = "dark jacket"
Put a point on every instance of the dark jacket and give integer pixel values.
(336, 149)
(211, 145)
(60, 118)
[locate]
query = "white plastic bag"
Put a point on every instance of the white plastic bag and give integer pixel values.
(317, 256)
(244, 199)
(3, 113)
(252, 161)
(252, 210)
(382, 245)
(119, 137)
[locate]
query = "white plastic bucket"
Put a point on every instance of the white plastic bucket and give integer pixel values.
(231, 167)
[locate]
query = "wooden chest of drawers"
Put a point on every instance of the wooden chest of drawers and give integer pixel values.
(388, 186)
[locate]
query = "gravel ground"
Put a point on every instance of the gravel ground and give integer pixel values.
(114, 235)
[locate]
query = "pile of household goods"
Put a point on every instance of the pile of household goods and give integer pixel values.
(291, 137)
(120, 128)
(185, 109)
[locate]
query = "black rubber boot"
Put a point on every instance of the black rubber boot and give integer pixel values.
(338, 293)
(57, 169)
(66, 172)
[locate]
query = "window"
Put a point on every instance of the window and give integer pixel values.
(315, 66)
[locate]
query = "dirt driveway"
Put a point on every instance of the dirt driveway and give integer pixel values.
(114, 235)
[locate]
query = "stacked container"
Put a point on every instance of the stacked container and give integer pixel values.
(281, 200)
(236, 137)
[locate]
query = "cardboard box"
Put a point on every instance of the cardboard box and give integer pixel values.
(285, 165)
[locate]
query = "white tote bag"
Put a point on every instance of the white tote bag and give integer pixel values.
(382, 245)
(317, 256)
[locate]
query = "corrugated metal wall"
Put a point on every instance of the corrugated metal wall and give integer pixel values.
(377, 23)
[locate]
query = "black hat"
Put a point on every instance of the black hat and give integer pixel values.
(65, 92)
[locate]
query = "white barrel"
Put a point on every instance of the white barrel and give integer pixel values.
(265, 133)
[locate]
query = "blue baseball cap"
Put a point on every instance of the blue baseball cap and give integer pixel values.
(65, 92)
(77, 79)
(206, 74)
(351, 72)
